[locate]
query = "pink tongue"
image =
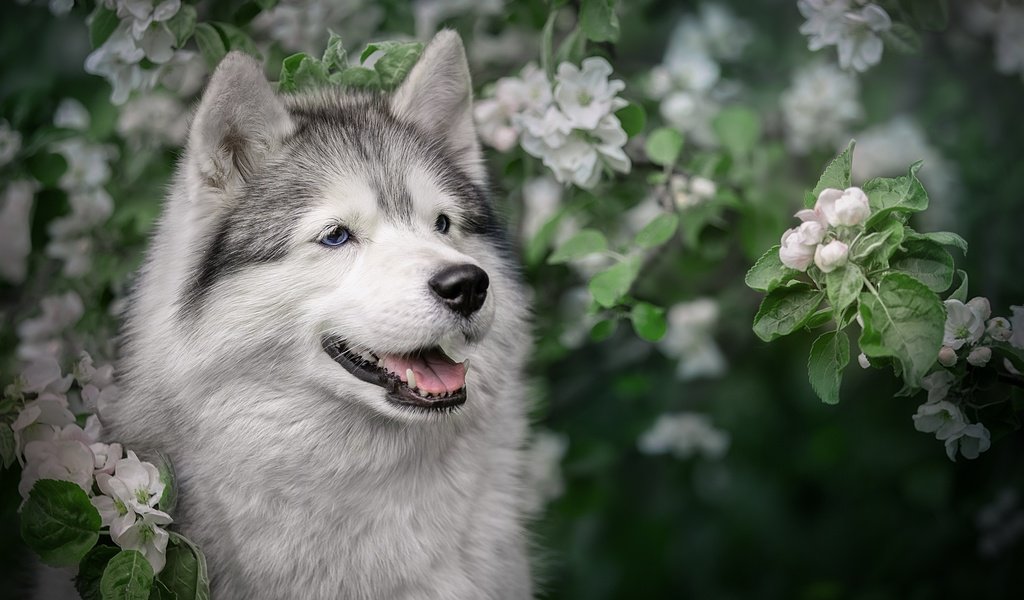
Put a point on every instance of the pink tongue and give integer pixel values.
(435, 374)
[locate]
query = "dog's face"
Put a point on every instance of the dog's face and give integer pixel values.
(352, 233)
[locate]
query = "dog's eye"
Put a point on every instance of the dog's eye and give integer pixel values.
(442, 224)
(335, 236)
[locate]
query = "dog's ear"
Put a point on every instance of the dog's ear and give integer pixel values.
(239, 123)
(437, 96)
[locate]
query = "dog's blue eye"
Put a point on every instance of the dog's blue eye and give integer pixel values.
(442, 224)
(334, 237)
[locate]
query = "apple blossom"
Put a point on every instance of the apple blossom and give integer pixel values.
(793, 253)
(981, 307)
(135, 483)
(689, 338)
(980, 356)
(947, 356)
(61, 459)
(819, 107)
(852, 29)
(937, 384)
(1017, 322)
(683, 435)
(15, 228)
(843, 207)
(971, 440)
(829, 257)
(942, 418)
(998, 328)
(963, 325)
(145, 536)
(862, 359)
(106, 456)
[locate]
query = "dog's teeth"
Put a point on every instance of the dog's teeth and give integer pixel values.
(410, 378)
(465, 366)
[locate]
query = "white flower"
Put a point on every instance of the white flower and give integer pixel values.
(793, 253)
(947, 356)
(829, 257)
(981, 307)
(689, 338)
(683, 435)
(543, 468)
(88, 163)
(61, 459)
(496, 117)
(15, 229)
(71, 114)
(689, 192)
(1017, 339)
(105, 456)
(585, 94)
(852, 30)
(937, 385)
(963, 325)
(117, 61)
(146, 537)
(97, 383)
(10, 142)
(848, 207)
(942, 418)
(980, 356)
(135, 483)
(819, 107)
(999, 329)
(862, 359)
(971, 440)
(153, 119)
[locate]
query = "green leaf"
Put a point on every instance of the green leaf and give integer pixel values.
(211, 46)
(59, 523)
(8, 449)
(902, 195)
(102, 24)
(960, 293)
(658, 231)
(663, 146)
(603, 330)
(90, 571)
(946, 238)
(830, 354)
(875, 249)
(128, 576)
(185, 573)
(169, 499)
(160, 591)
(768, 272)
(902, 38)
(926, 261)
(836, 175)
(357, 77)
(648, 321)
(47, 167)
(183, 24)
(786, 309)
(301, 71)
(335, 56)
(819, 318)
(903, 319)
(610, 285)
(236, 39)
(547, 35)
(843, 286)
(738, 129)
(599, 21)
(395, 62)
(584, 243)
(632, 117)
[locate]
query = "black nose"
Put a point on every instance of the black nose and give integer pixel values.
(463, 288)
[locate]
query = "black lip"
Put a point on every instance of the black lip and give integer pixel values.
(397, 391)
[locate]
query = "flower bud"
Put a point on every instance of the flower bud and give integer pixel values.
(793, 253)
(831, 256)
(998, 329)
(980, 356)
(852, 207)
(810, 233)
(863, 360)
(947, 356)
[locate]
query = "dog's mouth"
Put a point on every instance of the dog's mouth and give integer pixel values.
(425, 379)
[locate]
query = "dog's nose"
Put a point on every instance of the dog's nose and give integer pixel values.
(463, 288)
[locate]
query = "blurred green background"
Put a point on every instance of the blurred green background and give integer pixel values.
(808, 501)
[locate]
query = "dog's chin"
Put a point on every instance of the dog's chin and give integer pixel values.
(425, 380)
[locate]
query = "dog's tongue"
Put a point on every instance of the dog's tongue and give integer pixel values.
(435, 373)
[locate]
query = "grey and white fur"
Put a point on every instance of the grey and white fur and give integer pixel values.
(298, 479)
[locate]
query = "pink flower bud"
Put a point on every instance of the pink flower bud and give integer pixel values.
(831, 256)
(980, 356)
(947, 356)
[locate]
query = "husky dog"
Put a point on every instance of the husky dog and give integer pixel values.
(327, 339)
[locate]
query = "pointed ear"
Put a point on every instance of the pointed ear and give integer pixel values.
(239, 123)
(437, 97)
